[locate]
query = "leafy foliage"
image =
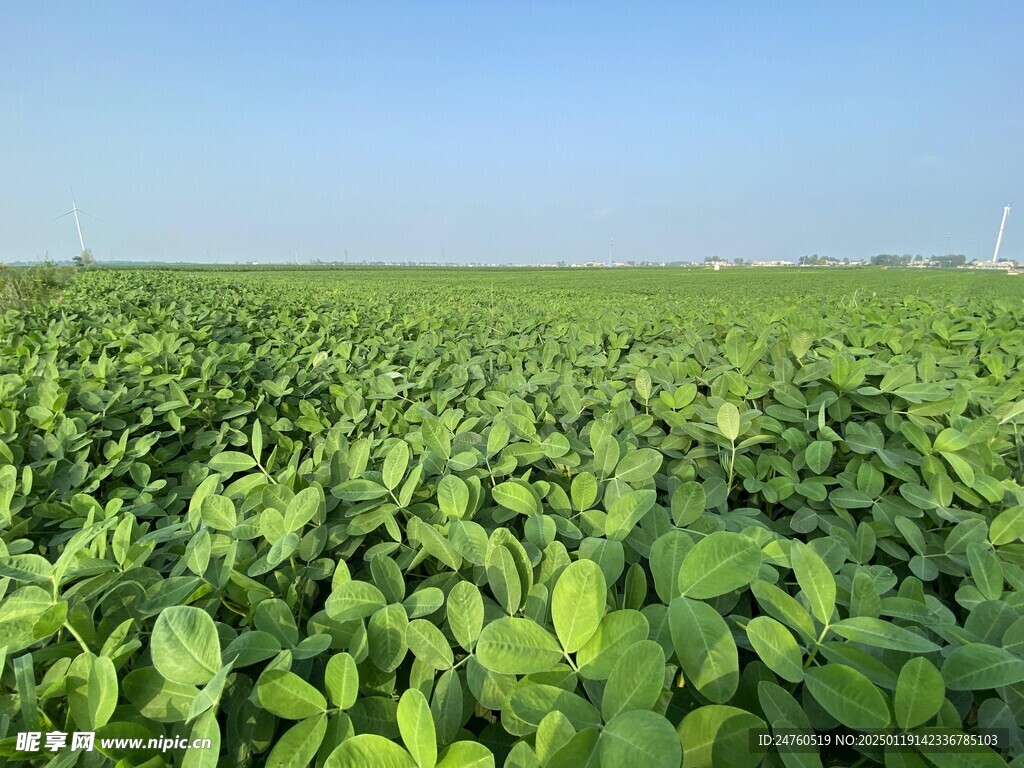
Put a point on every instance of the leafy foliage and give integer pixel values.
(531, 519)
(25, 287)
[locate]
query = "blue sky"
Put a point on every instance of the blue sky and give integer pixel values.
(511, 131)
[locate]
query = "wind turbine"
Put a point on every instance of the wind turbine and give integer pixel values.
(75, 210)
(999, 240)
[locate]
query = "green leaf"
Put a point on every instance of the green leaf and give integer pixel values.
(531, 702)
(466, 754)
(287, 695)
(986, 570)
(921, 392)
(815, 579)
(897, 376)
(778, 704)
(553, 733)
(776, 647)
(584, 491)
(503, 578)
(667, 555)
(920, 693)
(437, 438)
(387, 576)
(617, 631)
(368, 750)
(395, 464)
(705, 648)
(719, 563)
(581, 750)
(715, 735)
(962, 468)
(8, 482)
(626, 511)
(341, 679)
(577, 603)
(359, 490)
(185, 646)
(416, 725)
(386, 634)
(465, 612)
(634, 593)
(882, 634)
(864, 599)
(522, 754)
(606, 456)
(433, 543)
(800, 342)
(848, 696)
(211, 693)
(230, 462)
(516, 498)
(610, 556)
(640, 738)
(520, 425)
(728, 419)
(218, 512)
(1008, 526)
(302, 508)
(19, 613)
(429, 645)
(639, 466)
(688, 503)
(644, 385)
(469, 540)
(918, 495)
(636, 681)
(517, 647)
(446, 706)
(818, 455)
(205, 728)
(975, 757)
(155, 697)
(91, 690)
(950, 440)
(979, 666)
(299, 744)
(251, 647)
(256, 440)
(423, 602)
(354, 600)
(453, 496)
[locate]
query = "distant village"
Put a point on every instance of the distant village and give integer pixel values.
(948, 261)
(907, 261)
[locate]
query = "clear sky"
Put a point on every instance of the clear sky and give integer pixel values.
(511, 131)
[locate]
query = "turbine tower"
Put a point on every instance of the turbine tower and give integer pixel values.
(999, 240)
(78, 224)
(75, 210)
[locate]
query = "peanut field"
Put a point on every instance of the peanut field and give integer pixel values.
(426, 518)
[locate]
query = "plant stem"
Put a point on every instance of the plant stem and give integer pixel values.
(817, 645)
(78, 637)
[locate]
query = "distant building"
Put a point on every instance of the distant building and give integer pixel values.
(1009, 266)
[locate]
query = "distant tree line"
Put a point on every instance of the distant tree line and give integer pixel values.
(949, 261)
